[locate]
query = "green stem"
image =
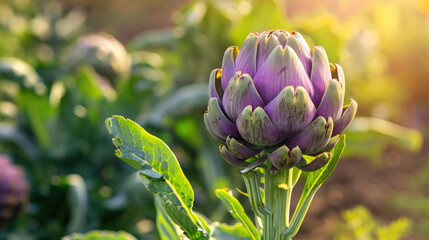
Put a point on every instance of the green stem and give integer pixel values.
(251, 181)
(299, 215)
(277, 189)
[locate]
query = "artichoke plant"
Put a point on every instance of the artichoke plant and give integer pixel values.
(13, 191)
(274, 95)
(273, 99)
(102, 52)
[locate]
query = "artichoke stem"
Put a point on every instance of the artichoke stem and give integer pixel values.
(278, 189)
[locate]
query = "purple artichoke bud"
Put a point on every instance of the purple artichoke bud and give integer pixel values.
(13, 191)
(102, 52)
(274, 93)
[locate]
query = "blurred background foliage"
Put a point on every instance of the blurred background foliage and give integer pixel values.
(60, 78)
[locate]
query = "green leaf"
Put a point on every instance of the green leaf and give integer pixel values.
(87, 83)
(295, 176)
(166, 227)
(182, 219)
(159, 168)
(222, 231)
(153, 157)
(40, 114)
(204, 222)
(100, 235)
(237, 211)
(312, 184)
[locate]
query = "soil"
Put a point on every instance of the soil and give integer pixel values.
(359, 182)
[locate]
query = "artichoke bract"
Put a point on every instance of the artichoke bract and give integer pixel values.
(13, 191)
(274, 94)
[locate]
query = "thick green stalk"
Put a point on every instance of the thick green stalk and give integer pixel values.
(277, 189)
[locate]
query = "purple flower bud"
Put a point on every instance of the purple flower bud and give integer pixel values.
(274, 93)
(13, 191)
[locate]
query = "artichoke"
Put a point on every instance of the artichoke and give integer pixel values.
(102, 52)
(13, 191)
(273, 95)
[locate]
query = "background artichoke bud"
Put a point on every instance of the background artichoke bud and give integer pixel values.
(102, 52)
(13, 191)
(273, 92)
